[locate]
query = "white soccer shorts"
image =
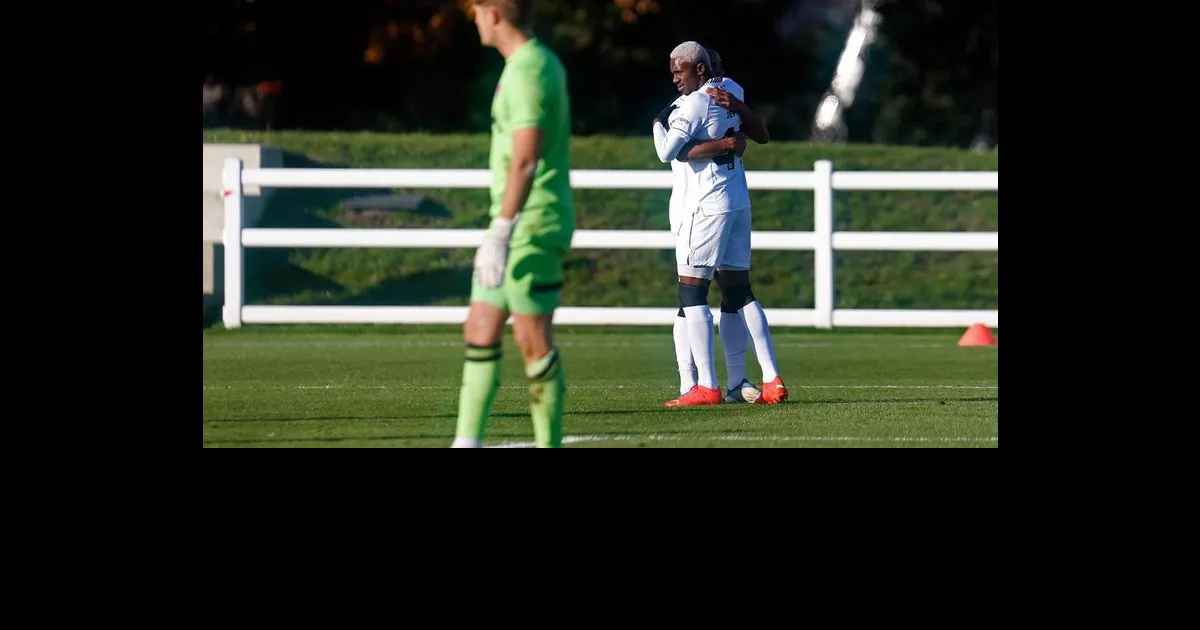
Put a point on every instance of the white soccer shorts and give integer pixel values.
(706, 241)
(736, 254)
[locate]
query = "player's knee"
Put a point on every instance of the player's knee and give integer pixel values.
(484, 325)
(749, 297)
(693, 294)
(533, 336)
(727, 305)
(479, 334)
(733, 298)
(728, 277)
(531, 344)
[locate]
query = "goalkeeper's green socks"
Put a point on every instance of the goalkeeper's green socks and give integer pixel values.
(546, 389)
(481, 381)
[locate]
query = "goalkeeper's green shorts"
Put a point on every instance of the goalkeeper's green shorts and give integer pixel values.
(533, 280)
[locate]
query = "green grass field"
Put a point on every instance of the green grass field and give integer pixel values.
(397, 387)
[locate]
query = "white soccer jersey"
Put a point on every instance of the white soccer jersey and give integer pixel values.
(679, 169)
(717, 185)
(731, 86)
(679, 172)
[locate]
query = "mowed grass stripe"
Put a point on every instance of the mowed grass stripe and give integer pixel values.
(875, 390)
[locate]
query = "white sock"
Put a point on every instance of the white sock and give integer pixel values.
(683, 356)
(700, 329)
(734, 339)
(756, 323)
(466, 442)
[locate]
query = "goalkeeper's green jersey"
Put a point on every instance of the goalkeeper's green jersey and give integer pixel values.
(532, 92)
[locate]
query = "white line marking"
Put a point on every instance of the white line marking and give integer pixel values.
(894, 386)
(644, 343)
(572, 439)
(569, 386)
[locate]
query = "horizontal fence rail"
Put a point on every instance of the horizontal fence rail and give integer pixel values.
(823, 240)
(618, 239)
(613, 180)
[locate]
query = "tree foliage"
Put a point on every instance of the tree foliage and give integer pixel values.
(417, 65)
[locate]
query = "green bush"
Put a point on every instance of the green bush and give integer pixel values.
(782, 279)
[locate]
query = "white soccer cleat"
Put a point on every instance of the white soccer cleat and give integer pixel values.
(744, 393)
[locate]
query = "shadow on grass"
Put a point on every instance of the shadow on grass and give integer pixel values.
(421, 288)
(272, 273)
(439, 416)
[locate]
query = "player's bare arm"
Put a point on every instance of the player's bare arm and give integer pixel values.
(492, 255)
(709, 149)
(753, 124)
(527, 150)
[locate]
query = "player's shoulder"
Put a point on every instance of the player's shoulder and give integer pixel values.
(536, 67)
(696, 101)
(537, 53)
(734, 88)
(536, 58)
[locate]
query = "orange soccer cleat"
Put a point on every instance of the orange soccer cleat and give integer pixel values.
(697, 395)
(773, 392)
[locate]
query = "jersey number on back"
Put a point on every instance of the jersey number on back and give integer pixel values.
(727, 160)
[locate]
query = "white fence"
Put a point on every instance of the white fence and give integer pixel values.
(823, 240)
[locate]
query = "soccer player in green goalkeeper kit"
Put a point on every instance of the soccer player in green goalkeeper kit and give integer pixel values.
(518, 269)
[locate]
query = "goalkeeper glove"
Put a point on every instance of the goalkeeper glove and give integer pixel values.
(492, 256)
(665, 113)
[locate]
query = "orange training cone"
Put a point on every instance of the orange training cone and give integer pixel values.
(977, 335)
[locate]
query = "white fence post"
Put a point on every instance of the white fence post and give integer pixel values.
(823, 230)
(231, 185)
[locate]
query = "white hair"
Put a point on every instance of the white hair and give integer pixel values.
(693, 53)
